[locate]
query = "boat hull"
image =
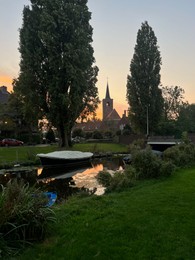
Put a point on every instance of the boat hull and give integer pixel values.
(70, 158)
(58, 161)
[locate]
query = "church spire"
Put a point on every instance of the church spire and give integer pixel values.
(107, 92)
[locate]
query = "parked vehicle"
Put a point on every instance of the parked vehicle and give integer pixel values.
(11, 142)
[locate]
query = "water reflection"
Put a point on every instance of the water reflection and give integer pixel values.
(64, 180)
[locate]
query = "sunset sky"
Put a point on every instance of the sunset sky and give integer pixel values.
(115, 25)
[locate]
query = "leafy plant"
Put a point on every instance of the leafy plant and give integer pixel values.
(146, 164)
(23, 215)
(104, 178)
(181, 155)
(167, 168)
(119, 181)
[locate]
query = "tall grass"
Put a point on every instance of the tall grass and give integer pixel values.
(23, 216)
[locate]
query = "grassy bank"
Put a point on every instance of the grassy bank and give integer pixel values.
(154, 220)
(28, 153)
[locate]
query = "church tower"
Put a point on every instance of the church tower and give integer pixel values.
(107, 104)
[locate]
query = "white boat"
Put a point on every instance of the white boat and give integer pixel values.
(69, 158)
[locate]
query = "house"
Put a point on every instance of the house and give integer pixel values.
(4, 95)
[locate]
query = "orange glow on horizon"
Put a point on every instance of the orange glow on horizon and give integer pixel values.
(6, 80)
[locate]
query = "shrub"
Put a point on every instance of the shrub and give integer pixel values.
(78, 132)
(167, 168)
(104, 178)
(97, 135)
(23, 215)
(108, 134)
(119, 181)
(88, 135)
(146, 164)
(50, 136)
(181, 155)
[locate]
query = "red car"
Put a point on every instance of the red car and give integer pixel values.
(11, 142)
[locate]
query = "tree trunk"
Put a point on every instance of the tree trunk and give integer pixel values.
(63, 135)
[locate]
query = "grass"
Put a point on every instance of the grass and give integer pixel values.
(22, 153)
(153, 220)
(25, 153)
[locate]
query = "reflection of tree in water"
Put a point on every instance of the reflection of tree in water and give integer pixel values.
(27, 176)
(109, 163)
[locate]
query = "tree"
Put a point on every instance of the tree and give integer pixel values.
(57, 72)
(186, 118)
(20, 108)
(173, 101)
(143, 93)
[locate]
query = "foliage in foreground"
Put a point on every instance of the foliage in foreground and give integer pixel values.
(23, 216)
(153, 220)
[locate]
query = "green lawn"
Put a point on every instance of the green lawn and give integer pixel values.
(153, 220)
(22, 153)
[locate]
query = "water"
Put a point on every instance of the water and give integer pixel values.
(65, 181)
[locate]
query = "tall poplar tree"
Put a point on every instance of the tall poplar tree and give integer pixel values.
(57, 72)
(143, 93)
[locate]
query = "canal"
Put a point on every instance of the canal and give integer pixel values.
(63, 180)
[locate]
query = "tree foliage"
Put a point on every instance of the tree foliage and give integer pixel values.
(57, 72)
(143, 92)
(173, 101)
(186, 118)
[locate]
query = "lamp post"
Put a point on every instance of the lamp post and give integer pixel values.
(147, 122)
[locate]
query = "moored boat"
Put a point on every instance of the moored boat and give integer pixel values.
(65, 158)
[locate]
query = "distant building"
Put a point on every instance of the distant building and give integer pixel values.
(4, 95)
(107, 105)
(111, 121)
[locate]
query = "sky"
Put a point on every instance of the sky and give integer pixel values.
(115, 25)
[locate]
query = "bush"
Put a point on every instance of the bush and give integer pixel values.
(97, 135)
(78, 132)
(27, 138)
(181, 155)
(146, 164)
(108, 134)
(121, 181)
(104, 178)
(88, 135)
(167, 168)
(23, 216)
(50, 136)
(118, 181)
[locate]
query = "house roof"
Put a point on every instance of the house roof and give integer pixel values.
(4, 94)
(89, 126)
(113, 115)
